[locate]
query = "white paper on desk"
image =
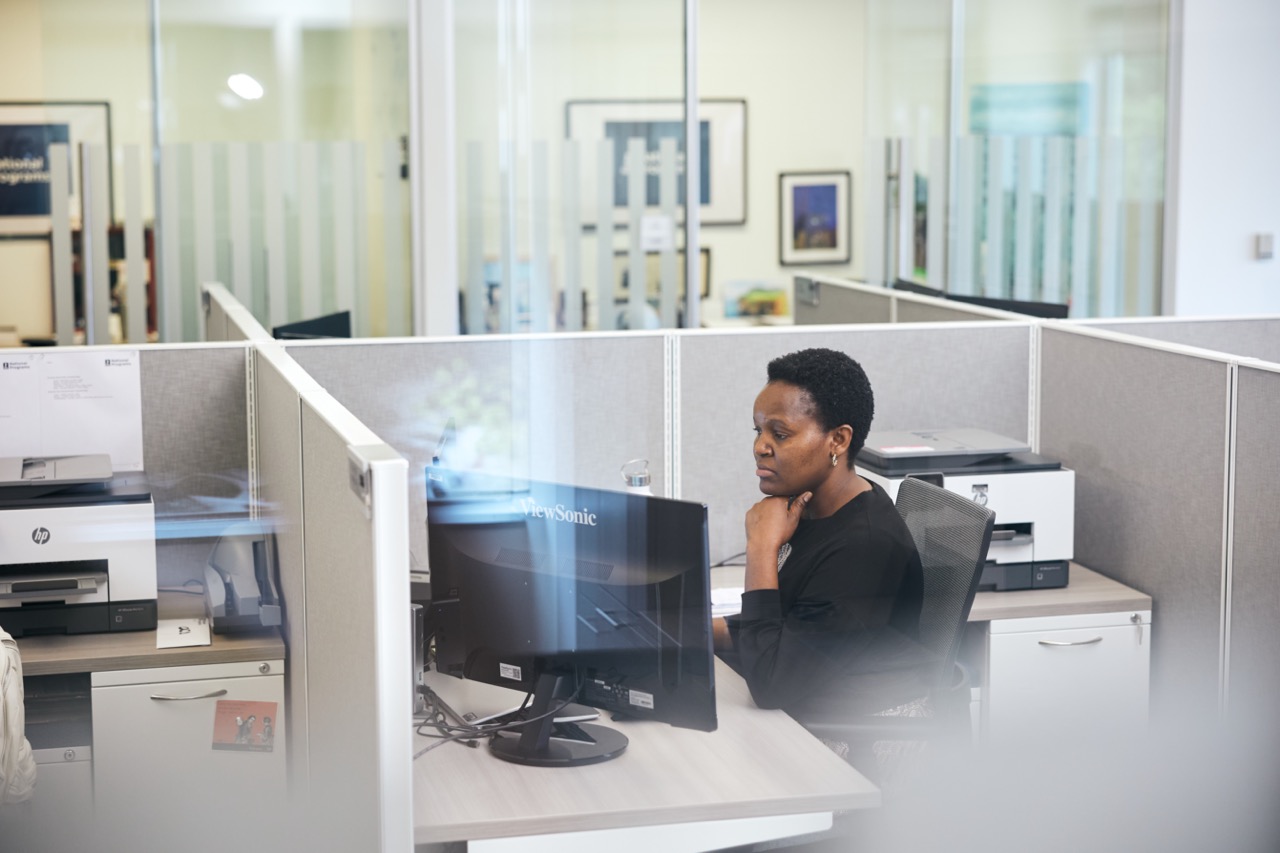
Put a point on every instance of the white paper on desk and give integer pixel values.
(725, 601)
(72, 403)
(173, 633)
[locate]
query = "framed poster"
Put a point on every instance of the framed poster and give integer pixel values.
(813, 218)
(653, 274)
(722, 145)
(27, 129)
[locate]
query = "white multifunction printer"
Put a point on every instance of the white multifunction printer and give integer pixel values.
(1032, 496)
(77, 548)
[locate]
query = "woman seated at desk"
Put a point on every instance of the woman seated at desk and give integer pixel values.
(833, 587)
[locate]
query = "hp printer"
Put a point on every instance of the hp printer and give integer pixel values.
(77, 548)
(1033, 497)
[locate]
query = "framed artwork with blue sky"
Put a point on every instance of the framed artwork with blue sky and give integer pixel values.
(813, 218)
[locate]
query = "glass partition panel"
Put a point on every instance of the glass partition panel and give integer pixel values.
(283, 161)
(570, 139)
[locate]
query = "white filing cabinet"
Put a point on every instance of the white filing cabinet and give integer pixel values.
(1081, 675)
(155, 765)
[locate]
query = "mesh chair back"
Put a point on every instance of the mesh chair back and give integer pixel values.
(951, 534)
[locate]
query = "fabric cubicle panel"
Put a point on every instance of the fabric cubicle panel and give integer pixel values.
(358, 638)
(923, 377)
(843, 304)
(1254, 662)
(568, 408)
(195, 450)
(1146, 430)
(1248, 337)
(929, 310)
(215, 322)
(278, 384)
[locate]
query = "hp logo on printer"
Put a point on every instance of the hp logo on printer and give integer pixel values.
(980, 494)
(40, 535)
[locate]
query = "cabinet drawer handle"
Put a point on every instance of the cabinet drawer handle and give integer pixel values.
(222, 692)
(1065, 643)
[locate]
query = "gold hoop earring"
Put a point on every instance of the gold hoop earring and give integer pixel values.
(834, 460)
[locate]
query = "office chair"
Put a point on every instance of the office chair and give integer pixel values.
(951, 534)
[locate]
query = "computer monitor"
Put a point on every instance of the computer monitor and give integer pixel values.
(1047, 310)
(336, 325)
(572, 593)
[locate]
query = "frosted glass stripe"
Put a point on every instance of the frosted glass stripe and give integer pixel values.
(507, 296)
(667, 262)
(238, 216)
(1055, 158)
(636, 277)
(64, 321)
(344, 231)
(309, 228)
(95, 263)
(202, 206)
(360, 211)
(904, 265)
(570, 163)
(477, 293)
(605, 316)
(875, 214)
(1081, 227)
(1022, 244)
(393, 231)
(1111, 169)
(1148, 226)
(276, 246)
(993, 256)
(936, 224)
(171, 283)
(541, 316)
(135, 270)
(964, 217)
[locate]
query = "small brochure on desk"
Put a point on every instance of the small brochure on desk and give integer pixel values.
(244, 726)
(175, 633)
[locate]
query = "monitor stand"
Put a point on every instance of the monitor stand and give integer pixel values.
(536, 746)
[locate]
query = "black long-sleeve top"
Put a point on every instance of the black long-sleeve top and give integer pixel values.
(838, 635)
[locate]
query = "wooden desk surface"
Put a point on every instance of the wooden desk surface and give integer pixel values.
(1086, 592)
(57, 654)
(757, 763)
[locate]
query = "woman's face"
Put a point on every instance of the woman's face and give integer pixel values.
(792, 450)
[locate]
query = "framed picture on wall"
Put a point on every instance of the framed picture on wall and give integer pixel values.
(27, 129)
(814, 218)
(722, 147)
(653, 274)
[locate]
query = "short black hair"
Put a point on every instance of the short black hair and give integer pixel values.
(837, 386)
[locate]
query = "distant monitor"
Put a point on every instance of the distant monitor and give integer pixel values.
(336, 325)
(567, 593)
(915, 287)
(1047, 310)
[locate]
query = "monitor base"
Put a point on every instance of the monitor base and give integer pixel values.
(606, 744)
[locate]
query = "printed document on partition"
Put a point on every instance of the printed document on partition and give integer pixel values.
(71, 403)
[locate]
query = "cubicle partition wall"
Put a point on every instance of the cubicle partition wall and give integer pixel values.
(358, 679)
(336, 497)
(1250, 337)
(276, 484)
(195, 450)
(1147, 426)
(1253, 650)
(225, 319)
(565, 408)
(923, 377)
(830, 301)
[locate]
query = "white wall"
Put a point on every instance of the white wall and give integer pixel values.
(1227, 169)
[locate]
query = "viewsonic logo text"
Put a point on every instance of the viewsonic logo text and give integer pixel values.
(533, 509)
